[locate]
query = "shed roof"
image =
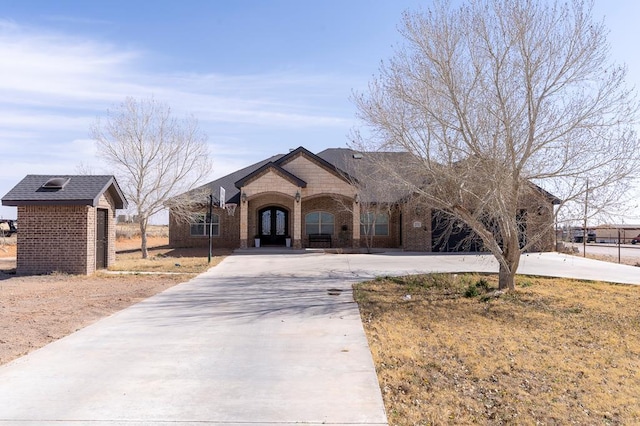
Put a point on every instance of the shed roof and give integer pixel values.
(78, 190)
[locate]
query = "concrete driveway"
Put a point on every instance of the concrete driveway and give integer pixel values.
(260, 339)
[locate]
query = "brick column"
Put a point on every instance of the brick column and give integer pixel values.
(297, 224)
(356, 224)
(244, 224)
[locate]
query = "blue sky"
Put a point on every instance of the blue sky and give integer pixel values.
(261, 76)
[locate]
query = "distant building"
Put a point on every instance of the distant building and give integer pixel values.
(611, 233)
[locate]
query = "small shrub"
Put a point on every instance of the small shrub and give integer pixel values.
(479, 287)
(471, 291)
(483, 285)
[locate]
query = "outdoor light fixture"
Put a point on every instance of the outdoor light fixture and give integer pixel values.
(298, 197)
(356, 198)
(243, 197)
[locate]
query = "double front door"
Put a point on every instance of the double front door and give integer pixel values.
(273, 226)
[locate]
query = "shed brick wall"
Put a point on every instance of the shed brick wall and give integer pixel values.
(540, 224)
(62, 238)
(54, 238)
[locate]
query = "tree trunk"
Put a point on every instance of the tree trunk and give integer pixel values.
(506, 279)
(143, 237)
(508, 268)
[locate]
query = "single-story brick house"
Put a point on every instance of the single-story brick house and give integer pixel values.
(67, 222)
(303, 200)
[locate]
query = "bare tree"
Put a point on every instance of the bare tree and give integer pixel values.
(497, 99)
(154, 155)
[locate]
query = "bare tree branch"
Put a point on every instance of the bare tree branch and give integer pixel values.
(496, 97)
(154, 155)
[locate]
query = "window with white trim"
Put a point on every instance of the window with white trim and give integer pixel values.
(319, 223)
(200, 226)
(374, 224)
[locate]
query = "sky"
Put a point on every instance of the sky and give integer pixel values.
(261, 76)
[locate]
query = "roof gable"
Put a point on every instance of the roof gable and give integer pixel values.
(77, 190)
(227, 182)
(265, 169)
(301, 151)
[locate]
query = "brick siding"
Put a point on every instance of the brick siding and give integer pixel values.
(180, 231)
(416, 227)
(343, 219)
(61, 238)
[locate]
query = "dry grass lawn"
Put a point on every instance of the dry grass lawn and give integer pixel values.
(162, 258)
(166, 259)
(553, 352)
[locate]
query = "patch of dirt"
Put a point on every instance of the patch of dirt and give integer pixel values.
(36, 310)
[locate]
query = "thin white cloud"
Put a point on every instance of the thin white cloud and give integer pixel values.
(36, 121)
(49, 65)
(53, 85)
(50, 69)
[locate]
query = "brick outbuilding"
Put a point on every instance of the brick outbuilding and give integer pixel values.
(66, 222)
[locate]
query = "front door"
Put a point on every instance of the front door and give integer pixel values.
(273, 226)
(102, 239)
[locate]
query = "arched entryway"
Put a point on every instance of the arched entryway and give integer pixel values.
(273, 226)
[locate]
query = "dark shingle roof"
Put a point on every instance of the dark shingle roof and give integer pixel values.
(79, 190)
(228, 182)
(370, 167)
(366, 166)
(350, 165)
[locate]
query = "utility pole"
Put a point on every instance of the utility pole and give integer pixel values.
(210, 227)
(619, 259)
(584, 227)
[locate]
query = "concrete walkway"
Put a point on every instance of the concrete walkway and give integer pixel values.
(261, 339)
(256, 340)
